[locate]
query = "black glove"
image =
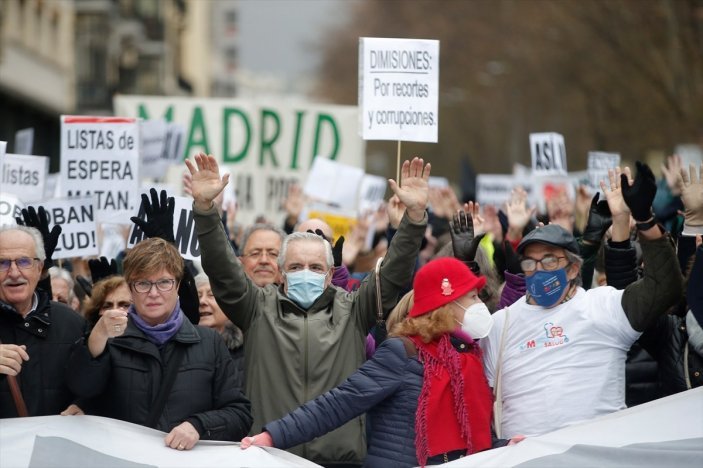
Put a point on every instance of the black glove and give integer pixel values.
(464, 243)
(512, 259)
(599, 220)
(85, 285)
(336, 250)
(102, 268)
(640, 195)
(40, 221)
(159, 216)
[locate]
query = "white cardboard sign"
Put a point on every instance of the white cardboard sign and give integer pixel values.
(10, 208)
(398, 89)
(598, 164)
(334, 183)
(24, 176)
(100, 156)
(372, 192)
(24, 141)
(183, 229)
(76, 216)
(152, 141)
(548, 154)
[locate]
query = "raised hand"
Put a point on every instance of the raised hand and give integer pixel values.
(102, 268)
(639, 194)
(691, 188)
(294, 202)
(672, 170)
(395, 210)
(40, 221)
(474, 209)
(159, 216)
(464, 242)
(518, 213)
(413, 191)
(206, 182)
(599, 220)
(614, 193)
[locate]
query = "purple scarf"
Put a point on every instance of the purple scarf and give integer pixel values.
(161, 333)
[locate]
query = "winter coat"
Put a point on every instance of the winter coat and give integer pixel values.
(126, 378)
(49, 333)
(387, 387)
(293, 355)
(234, 340)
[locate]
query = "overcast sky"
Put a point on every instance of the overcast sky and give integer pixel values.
(282, 36)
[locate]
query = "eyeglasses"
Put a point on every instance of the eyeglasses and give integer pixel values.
(257, 254)
(548, 262)
(23, 263)
(162, 285)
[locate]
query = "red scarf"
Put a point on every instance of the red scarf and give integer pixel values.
(455, 404)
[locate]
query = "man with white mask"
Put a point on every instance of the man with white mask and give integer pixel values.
(306, 336)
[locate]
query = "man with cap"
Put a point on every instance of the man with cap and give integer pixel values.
(557, 355)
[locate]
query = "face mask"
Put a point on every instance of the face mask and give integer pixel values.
(478, 321)
(546, 287)
(305, 286)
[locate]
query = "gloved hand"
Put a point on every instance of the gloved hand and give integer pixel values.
(102, 268)
(512, 259)
(336, 249)
(40, 221)
(159, 216)
(599, 220)
(640, 195)
(464, 243)
(85, 285)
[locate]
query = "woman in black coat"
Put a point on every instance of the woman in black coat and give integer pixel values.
(129, 352)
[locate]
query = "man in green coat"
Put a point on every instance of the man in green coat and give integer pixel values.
(305, 336)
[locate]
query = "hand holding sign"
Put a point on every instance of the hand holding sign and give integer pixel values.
(159, 216)
(40, 221)
(414, 192)
(206, 182)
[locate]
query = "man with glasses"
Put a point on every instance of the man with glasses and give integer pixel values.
(305, 336)
(37, 334)
(557, 355)
(261, 246)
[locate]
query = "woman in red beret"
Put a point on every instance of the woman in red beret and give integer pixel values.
(428, 401)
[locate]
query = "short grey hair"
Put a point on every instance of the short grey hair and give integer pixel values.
(305, 236)
(260, 227)
(201, 279)
(34, 233)
(573, 258)
(63, 274)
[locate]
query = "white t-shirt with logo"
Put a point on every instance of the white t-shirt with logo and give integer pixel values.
(561, 365)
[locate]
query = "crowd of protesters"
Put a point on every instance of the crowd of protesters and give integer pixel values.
(460, 328)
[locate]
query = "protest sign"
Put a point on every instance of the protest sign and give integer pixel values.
(10, 208)
(76, 216)
(183, 229)
(372, 192)
(598, 164)
(152, 141)
(548, 154)
(334, 183)
(398, 89)
(342, 222)
(24, 176)
(100, 156)
(495, 189)
(437, 182)
(267, 144)
(24, 141)
(93, 441)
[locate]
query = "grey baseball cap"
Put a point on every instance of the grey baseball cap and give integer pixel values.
(551, 234)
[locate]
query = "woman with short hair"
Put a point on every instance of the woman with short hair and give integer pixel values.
(130, 354)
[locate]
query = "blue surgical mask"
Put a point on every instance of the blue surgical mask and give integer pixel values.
(546, 287)
(305, 286)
